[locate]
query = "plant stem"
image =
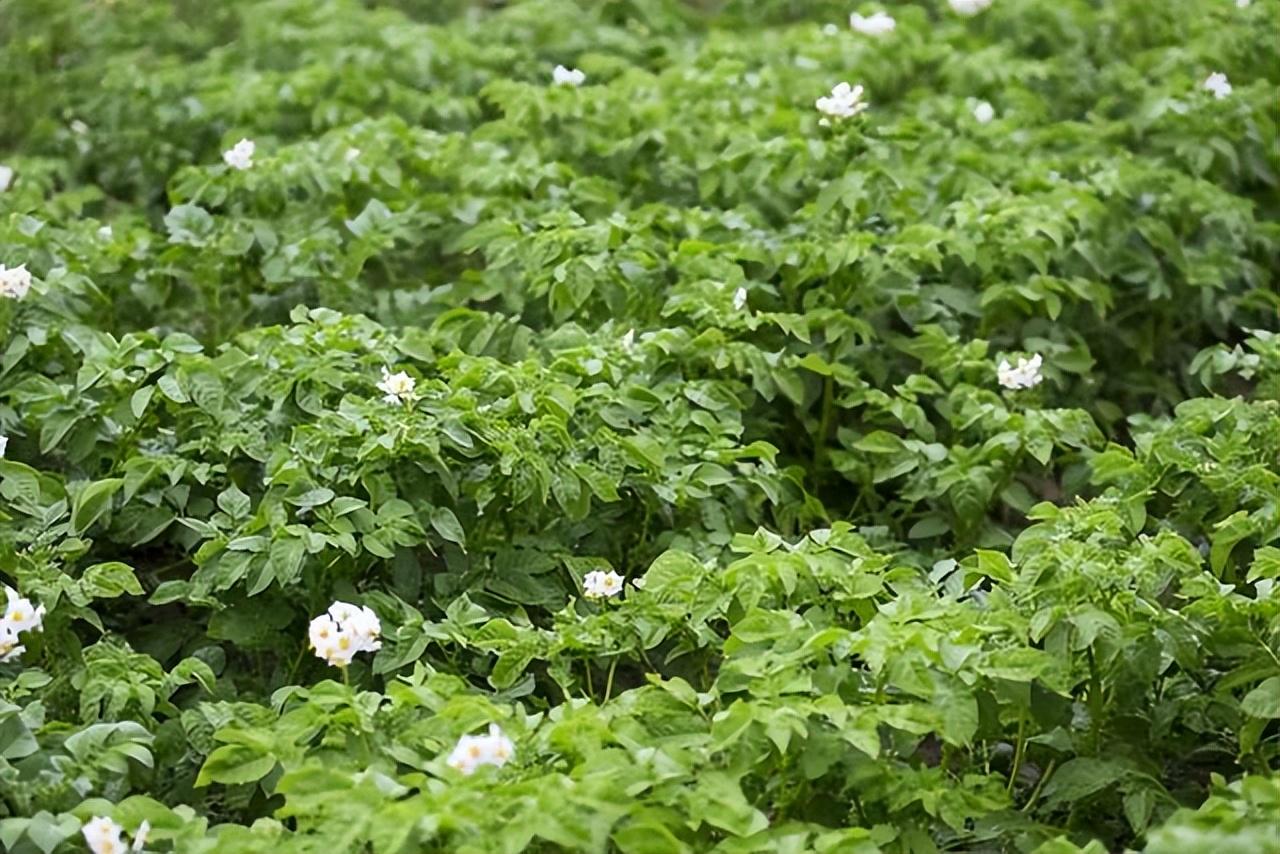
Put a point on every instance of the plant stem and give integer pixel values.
(1018, 751)
(824, 423)
(608, 685)
(1035, 793)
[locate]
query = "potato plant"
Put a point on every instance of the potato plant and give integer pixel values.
(640, 427)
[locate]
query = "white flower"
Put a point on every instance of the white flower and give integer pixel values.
(240, 155)
(4, 445)
(969, 8)
(1243, 4)
(103, 836)
(6, 177)
(599, 584)
(1218, 85)
(351, 154)
(9, 646)
(740, 298)
(14, 281)
(844, 102)
(398, 387)
(629, 340)
(360, 622)
(20, 614)
(344, 631)
(1026, 374)
(79, 126)
(830, 30)
(472, 751)
(140, 837)
(879, 24)
(562, 76)
(105, 233)
(983, 112)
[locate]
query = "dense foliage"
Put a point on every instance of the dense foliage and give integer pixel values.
(671, 323)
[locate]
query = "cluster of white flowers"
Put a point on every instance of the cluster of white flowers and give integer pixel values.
(562, 76)
(240, 155)
(14, 281)
(1218, 84)
(472, 751)
(398, 387)
(599, 584)
(104, 836)
(983, 112)
(19, 616)
(6, 177)
(1026, 374)
(969, 8)
(879, 24)
(336, 636)
(844, 102)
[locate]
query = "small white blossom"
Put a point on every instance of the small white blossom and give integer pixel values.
(19, 615)
(599, 584)
(983, 112)
(879, 24)
(830, 30)
(1026, 374)
(351, 154)
(844, 102)
(562, 76)
(4, 445)
(1243, 4)
(740, 299)
(9, 646)
(79, 127)
(345, 630)
(1217, 84)
(240, 155)
(105, 233)
(629, 340)
(103, 836)
(6, 177)
(472, 751)
(14, 281)
(398, 387)
(969, 8)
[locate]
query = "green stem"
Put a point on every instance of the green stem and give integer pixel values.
(824, 424)
(1018, 752)
(591, 692)
(1035, 793)
(1095, 702)
(608, 685)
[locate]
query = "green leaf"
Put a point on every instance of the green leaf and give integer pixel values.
(447, 525)
(109, 580)
(234, 764)
(1264, 700)
(92, 502)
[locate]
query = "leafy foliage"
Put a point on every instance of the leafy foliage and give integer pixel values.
(665, 324)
